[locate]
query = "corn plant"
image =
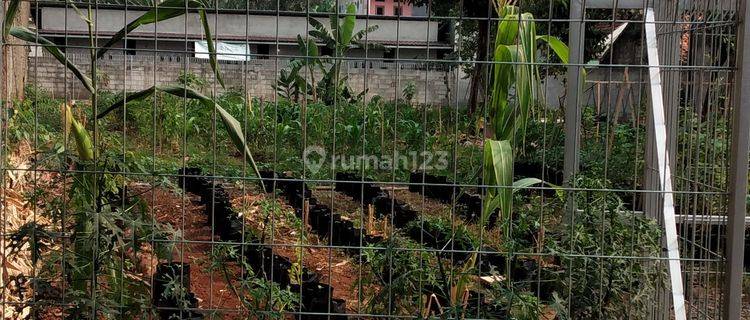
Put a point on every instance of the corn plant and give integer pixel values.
(515, 90)
(102, 231)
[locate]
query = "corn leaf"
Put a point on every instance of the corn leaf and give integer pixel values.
(10, 15)
(67, 118)
(501, 113)
(230, 122)
(211, 47)
(513, 71)
(557, 46)
(498, 171)
(507, 30)
(80, 135)
(31, 36)
(527, 88)
(166, 10)
(128, 97)
(525, 183)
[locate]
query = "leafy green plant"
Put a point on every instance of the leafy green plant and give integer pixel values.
(175, 290)
(290, 84)
(339, 38)
(604, 253)
(399, 274)
(191, 80)
(510, 301)
(262, 298)
(408, 92)
(514, 75)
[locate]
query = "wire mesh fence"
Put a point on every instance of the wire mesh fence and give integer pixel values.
(318, 159)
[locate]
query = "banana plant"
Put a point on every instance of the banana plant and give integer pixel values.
(290, 83)
(339, 37)
(515, 88)
(97, 224)
(311, 61)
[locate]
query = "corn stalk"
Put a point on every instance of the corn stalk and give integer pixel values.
(515, 87)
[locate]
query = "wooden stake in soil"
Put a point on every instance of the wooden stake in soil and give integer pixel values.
(370, 218)
(540, 242)
(385, 228)
(306, 213)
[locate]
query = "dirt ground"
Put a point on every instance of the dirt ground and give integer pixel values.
(187, 216)
(334, 267)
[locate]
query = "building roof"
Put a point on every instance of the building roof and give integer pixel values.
(230, 38)
(260, 28)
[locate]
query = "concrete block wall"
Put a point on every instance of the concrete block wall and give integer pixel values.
(138, 72)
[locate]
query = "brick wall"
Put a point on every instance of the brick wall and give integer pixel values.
(134, 73)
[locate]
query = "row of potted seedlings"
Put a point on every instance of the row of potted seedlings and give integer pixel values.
(321, 219)
(403, 216)
(315, 297)
(459, 245)
(341, 232)
(468, 206)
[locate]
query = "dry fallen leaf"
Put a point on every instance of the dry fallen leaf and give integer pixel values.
(342, 263)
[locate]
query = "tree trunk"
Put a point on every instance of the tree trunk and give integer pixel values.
(15, 58)
(476, 89)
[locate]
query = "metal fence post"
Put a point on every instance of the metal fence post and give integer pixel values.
(738, 169)
(572, 108)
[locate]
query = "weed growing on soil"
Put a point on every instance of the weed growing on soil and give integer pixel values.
(262, 298)
(400, 274)
(624, 282)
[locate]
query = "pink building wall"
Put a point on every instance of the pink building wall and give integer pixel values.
(388, 7)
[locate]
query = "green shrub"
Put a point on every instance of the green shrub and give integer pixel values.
(610, 256)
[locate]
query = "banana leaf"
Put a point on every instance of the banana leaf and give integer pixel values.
(307, 48)
(346, 30)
